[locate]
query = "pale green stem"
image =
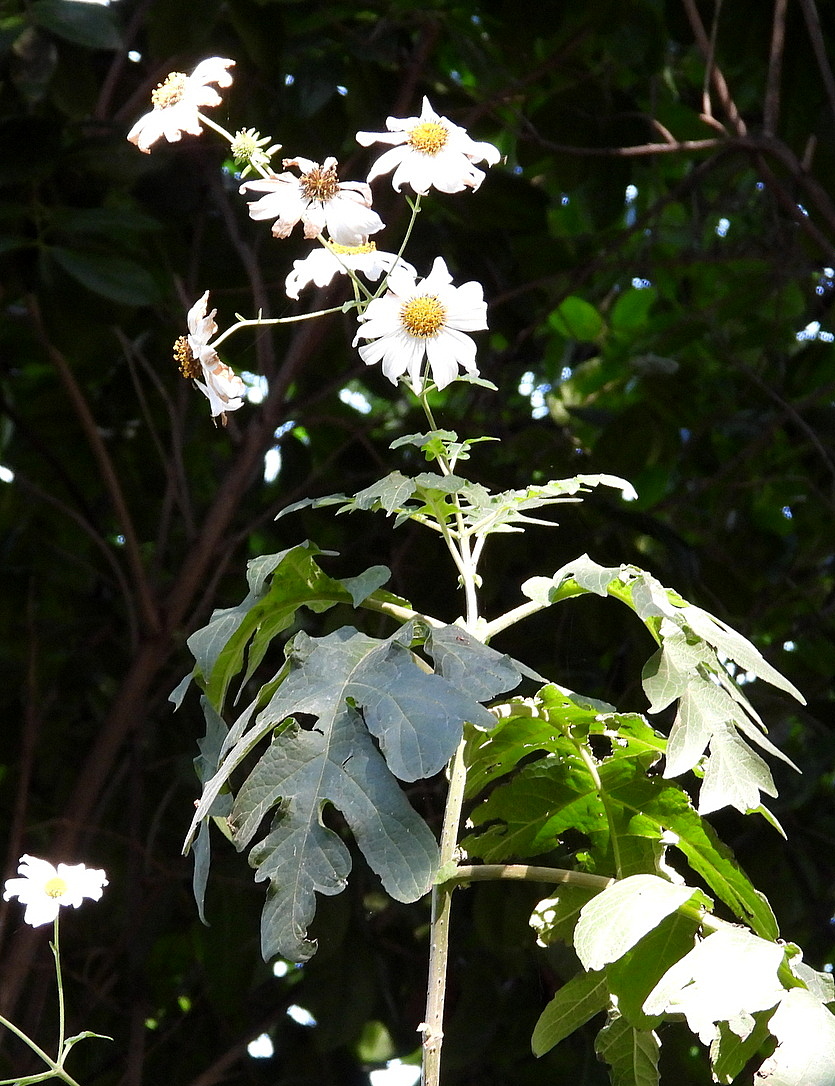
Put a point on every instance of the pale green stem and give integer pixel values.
(352, 275)
(56, 952)
(433, 1024)
(591, 765)
(465, 873)
(525, 610)
(403, 614)
(55, 1069)
(469, 580)
(217, 127)
(263, 322)
(528, 873)
(415, 209)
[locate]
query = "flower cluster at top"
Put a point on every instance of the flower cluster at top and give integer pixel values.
(417, 328)
(43, 889)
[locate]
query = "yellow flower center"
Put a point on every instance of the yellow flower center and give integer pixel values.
(170, 91)
(188, 365)
(352, 250)
(423, 317)
(245, 144)
(320, 184)
(428, 137)
(55, 887)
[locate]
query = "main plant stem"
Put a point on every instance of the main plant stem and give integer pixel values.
(460, 548)
(433, 1031)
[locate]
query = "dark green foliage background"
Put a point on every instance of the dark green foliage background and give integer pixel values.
(130, 517)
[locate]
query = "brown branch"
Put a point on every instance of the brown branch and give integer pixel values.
(32, 718)
(771, 105)
(642, 149)
(120, 60)
(147, 606)
(813, 25)
(715, 76)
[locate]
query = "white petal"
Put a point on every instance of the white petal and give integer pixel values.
(350, 223)
(41, 910)
(388, 160)
(213, 70)
(365, 139)
(371, 353)
(443, 360)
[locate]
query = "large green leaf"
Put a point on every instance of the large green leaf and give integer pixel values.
(696, 663)
(616, 919)
(584, 996)
(805, 1053)
(634, 975)
(304, 770)
(279, 584)
(662, 810)
(355, 687)
(725, 978)
(632, 1054)
(544, 799)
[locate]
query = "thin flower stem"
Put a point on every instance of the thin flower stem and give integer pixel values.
(217, 127)
(591, 765)
(263, 322)
(55, 1069)
(357, 282)
(56, 951)
(415, 209)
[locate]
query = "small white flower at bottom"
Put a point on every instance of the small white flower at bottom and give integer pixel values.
(414, 321)
(322, 264)
(197, 358)
(43, 889)
(177, 101)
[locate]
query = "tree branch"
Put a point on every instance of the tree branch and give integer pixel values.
(771, 105)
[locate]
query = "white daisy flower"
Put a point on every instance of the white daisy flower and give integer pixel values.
(322, 264)
(43, 889)
(430, 152)
(197, 358)
(426, 319)
(177, 101)
(319, 200)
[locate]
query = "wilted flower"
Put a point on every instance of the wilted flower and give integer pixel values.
(323, 263)
(248, 150)
(43, 889)
(197, 358)
(319, 200)
(430, 152)
(413, 320)
(177, 101)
